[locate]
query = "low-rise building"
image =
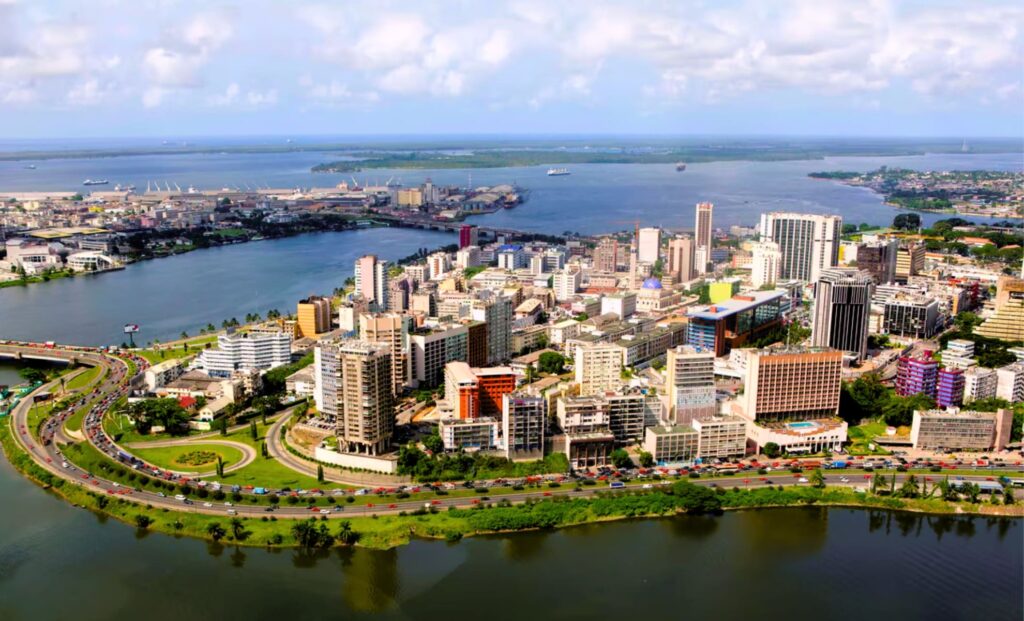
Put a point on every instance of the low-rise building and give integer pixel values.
(671, 444)
(720, 436)
(159, 375)
(961, 430)
(478, 434)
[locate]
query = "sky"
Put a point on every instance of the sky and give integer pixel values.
(778, 67)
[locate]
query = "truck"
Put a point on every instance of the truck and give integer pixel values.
(837, 465)
(616, 485)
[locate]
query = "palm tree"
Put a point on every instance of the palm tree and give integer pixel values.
(346, 535)
(877, 483)
(971, 490)
(238, 529)
(817, 478)
(216, 531)
(909, 488)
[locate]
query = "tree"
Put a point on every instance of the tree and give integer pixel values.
(238, 529)
(222, 425)
(817, 478)
(434, 443)
(551, 362)
(263, 450)
(621, 459)
(771, 450)
(220, 467)
(877, 483)
(863, 398)
(166, 412)
(32, 375)
(899, 411)
(346, 535)
(142, 521)
(530, 372)
(646, 459)
(309, 536)
(906, 221)
(1008, 498)
(253, 432)
(215, 531)
(971, 491)
(909, 488)
(319, 473)
(696, 498)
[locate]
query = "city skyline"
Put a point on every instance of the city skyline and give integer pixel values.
(883, 69)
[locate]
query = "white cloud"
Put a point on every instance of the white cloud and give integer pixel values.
(228, 97)
(88, 93)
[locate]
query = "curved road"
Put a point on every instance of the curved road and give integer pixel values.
(248, 452)
(48, 456)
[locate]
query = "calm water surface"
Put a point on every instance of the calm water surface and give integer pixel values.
(59, 562)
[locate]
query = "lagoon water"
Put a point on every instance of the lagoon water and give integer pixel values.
(184, 293)
(60, 562)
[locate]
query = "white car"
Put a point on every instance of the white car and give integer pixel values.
(844, 479)
(207, 505)
(803, 479)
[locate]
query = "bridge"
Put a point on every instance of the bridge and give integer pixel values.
(34, 352)
(446, 226)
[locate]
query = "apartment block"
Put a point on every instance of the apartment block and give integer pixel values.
(961, 430)
(313, 316)
(721, 437)
(791, 384)
(691, 384)
(598, 367)
(523, 425)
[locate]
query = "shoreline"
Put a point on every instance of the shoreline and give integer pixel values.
(390, 531)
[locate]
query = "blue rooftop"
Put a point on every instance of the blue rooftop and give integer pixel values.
(732, 306)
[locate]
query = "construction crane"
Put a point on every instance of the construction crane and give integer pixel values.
(636, 228)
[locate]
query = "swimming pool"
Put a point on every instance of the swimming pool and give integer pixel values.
(802, 426)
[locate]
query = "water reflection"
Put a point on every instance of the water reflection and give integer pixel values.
(692, 526)
(238, 558)
(371, 579)
(790, 533)
(524, 546)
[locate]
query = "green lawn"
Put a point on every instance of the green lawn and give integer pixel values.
(120, 428)
(862, 435)
(160, 353)
(84, 379)
(96, 374)
(168, 457)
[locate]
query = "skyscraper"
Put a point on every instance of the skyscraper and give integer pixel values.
(809, 243)
(650, 245)
(879, 260)
(680, 259)
(691, 384)
(372, 280)
(765, 264)
(842, 305)
(702, 249)
(391, 329)
(606, 255)
(354, 388)
(313, 316)
(598, 367)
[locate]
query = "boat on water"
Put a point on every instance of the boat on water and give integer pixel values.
(30, 166)
(680, 166)
(124, 188)
(558, 172)
(95, 182)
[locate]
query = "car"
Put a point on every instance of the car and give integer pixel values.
(232, 512)
(844, 479)
(161, 494)
(208, 505)
(324, 511)
(180, 497)
(228, 504)
(802, 479)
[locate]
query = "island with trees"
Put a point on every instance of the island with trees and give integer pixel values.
(971, 192)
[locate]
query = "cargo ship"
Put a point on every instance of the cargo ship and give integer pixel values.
(558, 172)
(95, 182)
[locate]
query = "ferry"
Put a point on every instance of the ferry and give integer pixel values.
(95, 182)
(558, 172)
(680, 166)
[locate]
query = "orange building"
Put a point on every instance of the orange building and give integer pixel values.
(476, 392)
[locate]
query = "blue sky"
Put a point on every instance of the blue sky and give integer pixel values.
(821, 67)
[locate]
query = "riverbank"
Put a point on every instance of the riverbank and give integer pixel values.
(392, 530)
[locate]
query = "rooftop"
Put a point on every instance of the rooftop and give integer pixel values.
(738, 303)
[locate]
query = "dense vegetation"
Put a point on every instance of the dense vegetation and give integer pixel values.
(470, 466)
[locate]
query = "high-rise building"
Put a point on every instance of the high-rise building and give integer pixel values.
(879, 260)
(438, 264)
(842, 306)
(435, 347)
(497, 314)
(468, 257)
(691, 384)
(567, 282)
(598, 367)
(980, 383)
(809, 243)
(475, 392)
(949, 388)
(366, 418)
(399, 290)
(1007, 323)
(1010, 382)
(913, 316)
(469, 235)
(372, 280)
(523, 421)
(916, 375)
(765, 263)
(680, 259)
(313, 316)
(702, 237)
(606, 255)
(791, 384)
(238, 351)
(909, 261)
(393, 330)
(650, 245)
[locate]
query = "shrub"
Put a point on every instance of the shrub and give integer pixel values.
(694, 475)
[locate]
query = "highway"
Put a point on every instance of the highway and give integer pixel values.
(45, 451)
